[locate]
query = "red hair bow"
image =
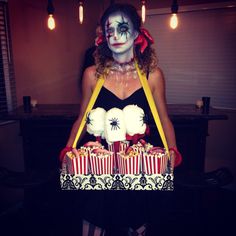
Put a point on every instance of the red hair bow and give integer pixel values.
(99, 40)
(142, 39)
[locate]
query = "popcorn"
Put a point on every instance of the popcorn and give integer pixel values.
(95, 121)
(129, 163)
(90, 146)
(134, 120)
(120, 146)
(155, 162)
(101, 163)
(138, 147)
(93, 144)
(77, 164)
(147, 146)
(93, 158)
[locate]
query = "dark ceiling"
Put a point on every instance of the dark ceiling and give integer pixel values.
(155, 4)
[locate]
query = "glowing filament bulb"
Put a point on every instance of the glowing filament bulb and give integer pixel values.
(51, 22)
(143, 12)
(174, 21)
(81, 13)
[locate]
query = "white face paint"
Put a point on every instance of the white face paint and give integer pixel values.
(120, 35)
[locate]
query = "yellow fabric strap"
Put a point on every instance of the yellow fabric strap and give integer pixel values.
(92, 100)
(149, 97)
(152, 106)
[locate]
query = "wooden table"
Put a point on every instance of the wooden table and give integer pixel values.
(46, 128)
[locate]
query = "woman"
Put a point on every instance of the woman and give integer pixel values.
(123, 42)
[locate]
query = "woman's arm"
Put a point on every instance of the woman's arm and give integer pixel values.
(88, 84)
(157, 85)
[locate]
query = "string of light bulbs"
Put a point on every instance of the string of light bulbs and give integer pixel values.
(52, 25)
(50, 9)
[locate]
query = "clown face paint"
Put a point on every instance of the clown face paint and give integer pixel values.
(120, 36)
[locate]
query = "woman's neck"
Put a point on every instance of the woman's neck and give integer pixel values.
(123, 57)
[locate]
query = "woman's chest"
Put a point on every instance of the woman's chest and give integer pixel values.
(122, 87)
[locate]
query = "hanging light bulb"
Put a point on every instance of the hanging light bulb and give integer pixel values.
(51, 21)
(174, 21)
(143, 10)
(81, 12)
(174, 17)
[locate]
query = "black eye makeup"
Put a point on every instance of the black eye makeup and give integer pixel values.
(122, 28)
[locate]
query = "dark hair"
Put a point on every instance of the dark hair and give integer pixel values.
(103, 56)
(125, 9)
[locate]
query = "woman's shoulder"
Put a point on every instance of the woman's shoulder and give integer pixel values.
(156, 78)
(89, 76)
(156, 73)
(90, 71)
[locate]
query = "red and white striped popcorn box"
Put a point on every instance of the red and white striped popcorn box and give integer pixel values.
(101, 163)
(148, 146)
(90, 149)
(138, 147)
(77, 165)
(154, 163)
(129, 163)
(123, 145)
(141, 148)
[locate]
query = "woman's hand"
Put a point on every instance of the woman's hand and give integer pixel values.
(63, 153)
(96, 146)
(176, 157)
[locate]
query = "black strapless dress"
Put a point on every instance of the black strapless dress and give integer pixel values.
(119, 208)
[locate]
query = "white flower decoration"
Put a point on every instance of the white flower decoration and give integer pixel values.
(96, 121)
(115, 129)
(134, 120)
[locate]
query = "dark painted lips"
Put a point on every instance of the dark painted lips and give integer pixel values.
(117, 44)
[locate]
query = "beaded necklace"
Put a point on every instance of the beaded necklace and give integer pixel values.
(121, 73)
